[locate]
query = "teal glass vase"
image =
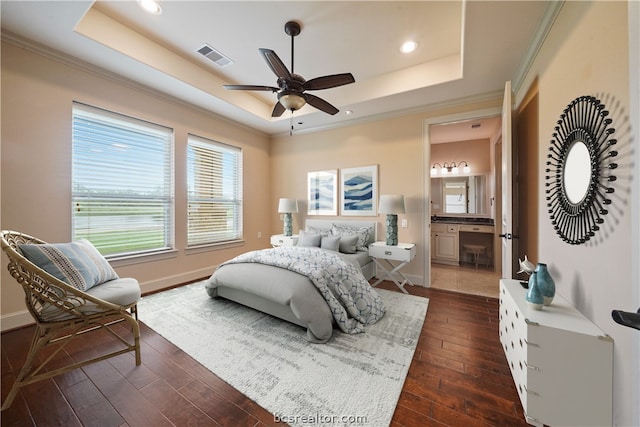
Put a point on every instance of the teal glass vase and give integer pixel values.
(534, 296)
(545, 283)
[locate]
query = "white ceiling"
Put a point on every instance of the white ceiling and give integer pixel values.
(466, 50)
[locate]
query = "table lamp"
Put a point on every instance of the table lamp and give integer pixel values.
(392, 205)
(286, 207)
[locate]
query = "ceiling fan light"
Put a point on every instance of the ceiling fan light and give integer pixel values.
(408, 46)
(151, 6)
(292, 101)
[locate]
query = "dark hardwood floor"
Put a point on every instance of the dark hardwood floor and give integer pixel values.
(459, 377)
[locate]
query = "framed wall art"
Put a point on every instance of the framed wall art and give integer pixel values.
(359, 191)
(322, 192)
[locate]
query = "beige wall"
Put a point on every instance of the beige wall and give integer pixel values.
(396, 145)
(37, 94)
(586, 53)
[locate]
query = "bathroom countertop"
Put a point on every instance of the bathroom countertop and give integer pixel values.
(461, 220)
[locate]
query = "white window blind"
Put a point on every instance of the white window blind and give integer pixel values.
(214, 185)
(122, 182)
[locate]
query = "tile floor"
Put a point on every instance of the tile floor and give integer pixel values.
(465, 279)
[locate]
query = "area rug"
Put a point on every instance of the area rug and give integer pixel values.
(351, 380)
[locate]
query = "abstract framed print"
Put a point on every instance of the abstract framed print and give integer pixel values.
(359, 191)
(322, 192)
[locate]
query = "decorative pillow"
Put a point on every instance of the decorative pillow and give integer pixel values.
(348, 244)
(77, 263)
(331, 243)
(365, 234)
(317, 230)
(309, 239)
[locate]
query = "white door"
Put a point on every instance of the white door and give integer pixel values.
(507, 187)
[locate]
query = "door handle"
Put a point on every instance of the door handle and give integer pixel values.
(509, 236)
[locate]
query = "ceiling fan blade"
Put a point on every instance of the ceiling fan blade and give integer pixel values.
(251, 87)
(320, 104)
(327, 82)
(278, 109)
(276, 65)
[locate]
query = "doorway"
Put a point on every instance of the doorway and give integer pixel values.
(459, 272)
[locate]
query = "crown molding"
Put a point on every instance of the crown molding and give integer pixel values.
(76, 63)
(549, 17)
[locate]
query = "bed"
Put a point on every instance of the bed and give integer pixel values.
(288, 282)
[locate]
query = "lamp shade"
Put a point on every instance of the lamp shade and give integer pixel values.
(391, 204)
(287, 206)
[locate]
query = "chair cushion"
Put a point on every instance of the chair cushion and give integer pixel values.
(77, 263)
(123, 291)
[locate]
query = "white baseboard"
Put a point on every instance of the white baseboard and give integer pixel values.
(23, 318)
(15, 320)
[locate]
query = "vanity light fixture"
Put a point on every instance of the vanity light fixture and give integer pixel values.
(451, 168)
(151, 6)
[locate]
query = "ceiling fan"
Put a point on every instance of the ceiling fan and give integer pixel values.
(291, 87)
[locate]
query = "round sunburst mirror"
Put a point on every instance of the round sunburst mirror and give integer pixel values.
(579, 170)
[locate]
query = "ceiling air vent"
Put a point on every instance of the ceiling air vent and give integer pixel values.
(215, 56)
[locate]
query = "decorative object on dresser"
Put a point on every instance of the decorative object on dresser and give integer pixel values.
(392, 205)
(545, 282)
(534, 296)
(579, 169)
(402, 253)
(286, 207)
(561, 363)
(271, 363)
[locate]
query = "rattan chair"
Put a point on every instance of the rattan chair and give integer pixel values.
(62, 313)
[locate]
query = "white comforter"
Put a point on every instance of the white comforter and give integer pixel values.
(353, 302)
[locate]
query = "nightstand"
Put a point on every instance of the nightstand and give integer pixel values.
(384, 254)
(282, 240)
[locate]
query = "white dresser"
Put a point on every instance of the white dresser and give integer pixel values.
(562, 364)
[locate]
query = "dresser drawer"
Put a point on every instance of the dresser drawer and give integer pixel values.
(469, 228)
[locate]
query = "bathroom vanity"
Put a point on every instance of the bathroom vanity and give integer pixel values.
(450, 235)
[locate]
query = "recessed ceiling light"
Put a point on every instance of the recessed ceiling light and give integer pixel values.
(347, 112)
(408, 46)
(151, 6)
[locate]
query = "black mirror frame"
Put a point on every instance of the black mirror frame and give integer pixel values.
(585, 119)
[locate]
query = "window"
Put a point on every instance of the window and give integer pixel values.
(214, 186)
(122, 182)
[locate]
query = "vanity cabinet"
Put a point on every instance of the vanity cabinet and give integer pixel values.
(561, 363)
(444, 243)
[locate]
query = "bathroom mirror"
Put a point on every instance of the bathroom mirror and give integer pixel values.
(580, 170)
(459, 195)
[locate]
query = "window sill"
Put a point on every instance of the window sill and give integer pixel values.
(214, 247)
(121, 261)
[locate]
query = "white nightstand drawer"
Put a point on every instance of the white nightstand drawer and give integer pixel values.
(401, 252)
(282, 240)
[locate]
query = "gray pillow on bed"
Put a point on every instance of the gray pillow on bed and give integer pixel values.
(309, 239)
(364, 234)
(348, 244)
(317, 230)
(331, 243)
